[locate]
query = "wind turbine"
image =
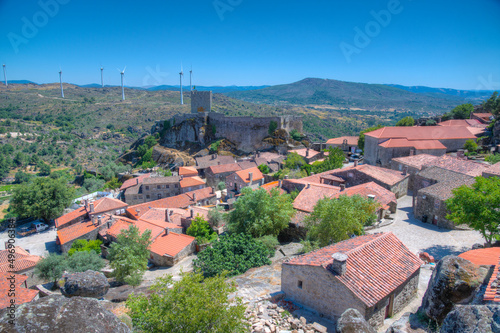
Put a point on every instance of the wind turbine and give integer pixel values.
(60, 80)
(5, 76)
(123, 90)
(102, 80)
(181, 74)
(190, 79)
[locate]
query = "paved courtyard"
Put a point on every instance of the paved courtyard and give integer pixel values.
(425, 237)
(40, 243)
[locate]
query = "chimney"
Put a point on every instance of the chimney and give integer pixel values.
(166, 231)
(182, 177)
(312, 173)
(93, 219)
(308, 185)
(342, 187)
(191, 211)
(412, 151)
(194, 197)
(167, 216)
(213, 190)
(355, 163)
(405, 170)
(338, 265)
(86, 204)
(91, 207)
(307, 152)
(99, 220)
(213, 157)
(371, 197)
(250, 177)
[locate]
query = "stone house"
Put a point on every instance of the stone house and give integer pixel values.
(433, 186)
(309, 155)
(414, 164)
(272, 160)
(153, 188)
(22, 293)
(134, 181)
(384, 144)
(484, 118)
(375, 274)
(346, 143)
(204, 162)
(218, 173)
(189, 184)
(24, 263)
(188, 171)
(86, 229)
(252, 178)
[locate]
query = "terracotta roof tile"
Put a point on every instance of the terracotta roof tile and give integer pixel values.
(214, 159)
(188, 171)
(383, 196)
(309, 196)
(417, 144)
(351, 140)
(223, 168)
(487, 256)
(133, 181)
(66, 218)
(124, 223)
(23, 260)
(302, 152)
(107, 204)
(23, 295)
(74, 231)
(191, 181)
(376, 264)
(271, 185)
(422, 133)
(448, 162)
(170, 244)
(245, 174)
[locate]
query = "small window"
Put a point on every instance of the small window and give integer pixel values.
(159, 195)
(147, 196)
(158, 186)
(147, 187)
(167, 186)
(176, 185)
(299, 284)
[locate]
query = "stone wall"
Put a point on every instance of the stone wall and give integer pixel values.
(453, 144)
(201, 101)
(167, 260)
(371, 150)
(320, 290)
(411, 171)
(427, 208)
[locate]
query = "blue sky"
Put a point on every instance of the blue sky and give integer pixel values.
(453, 44)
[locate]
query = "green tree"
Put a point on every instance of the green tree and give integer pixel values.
(93, 184)
(44, 169)
(83, 245)
(150, 141)
(493, 104)
(406, 121)
(334, 220)
(43, 198)
(191, 305)
(430, 122)
(361, 140)
(493, 158)
(272, 127)
(233, 254)
(221, 186)
(294, 134)
(334, 160)
(216, 216)
(22, 177)
(129, 255)
(260, 213)
(294, 161)
(471, 146)
(113, 183)
(201, 230)
(461, 111)
(264, 169)
(53, 266)
(84, 260)
(477, 206)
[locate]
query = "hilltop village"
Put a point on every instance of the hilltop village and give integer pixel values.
(367, 233)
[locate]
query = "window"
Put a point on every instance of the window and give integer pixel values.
(147, 196)
(147, 187)
(167, 186)
(176, 185)
(140, 197)
(299, 284)
(159, 195)
(158, 186)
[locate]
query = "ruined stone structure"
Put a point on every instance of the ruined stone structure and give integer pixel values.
(201, 101)
(246, 133)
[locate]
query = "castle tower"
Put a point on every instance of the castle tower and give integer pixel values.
(201, 101)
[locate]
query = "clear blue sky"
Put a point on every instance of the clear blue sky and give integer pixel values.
(454, 44)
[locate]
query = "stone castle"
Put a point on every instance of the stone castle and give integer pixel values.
(203, 126)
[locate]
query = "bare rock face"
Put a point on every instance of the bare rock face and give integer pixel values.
(472, 318)
(352, 321)
(85, 284)
(61, 314)
(454, 281)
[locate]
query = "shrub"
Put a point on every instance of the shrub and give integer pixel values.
(270, 242)
(83, 245)
(201, 230)
(264, 169)
(272, 127)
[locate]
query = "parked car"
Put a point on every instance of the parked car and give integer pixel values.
(354, 157)
(32, 228)
(39, 226)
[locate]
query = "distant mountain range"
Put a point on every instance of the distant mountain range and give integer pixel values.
(215, 89)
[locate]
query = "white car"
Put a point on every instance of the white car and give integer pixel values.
(39, 226)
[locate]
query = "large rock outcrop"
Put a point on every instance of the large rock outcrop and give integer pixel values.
(472, 319)
(85, 284)
(61, 314)
(454, 281)
(352, 321)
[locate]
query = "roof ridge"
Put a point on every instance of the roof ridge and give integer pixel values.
(381, 235)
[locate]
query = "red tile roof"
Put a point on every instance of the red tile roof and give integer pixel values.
(462, 122)
(422, 133)
(223, 168)
(351, 140)
(170, 244)
(22, 295)
(191, 181)
(179, 201)
(74, 231)
(272, 185)
(383, 196)
(23, 260)
(376, 264)
(448, 162)
(245, 174)
(124, 223)
(417, 144)
(71, 216)
(302, 152)
(309, 196)
(133, 181)
(188, 171)
(487, 256)
(107, 204)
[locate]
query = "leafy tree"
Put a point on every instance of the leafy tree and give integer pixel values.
(221, 186)
(201, 230)
(129, 255)
(294, 161)
(191, 305)
(44, 169)
(493, 158)
(334, 220)
(264, 169)
(22, 177)
(493, 104)
(93, 184)
(113, 183)
(21, 159)
(270, 242)
(7, 149)
(84, 245)
(43, 198)
(141, 150)
(150, 141)
(233, 254)
(406, 121)
(361, 140)
(461, 111)
(471, 145)
(430, 122)
(216, 216)
(272, 127)
(260, 213)
(334, 160)
(478, 207)
(296, 135)
(84, 260)
(53, 266)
